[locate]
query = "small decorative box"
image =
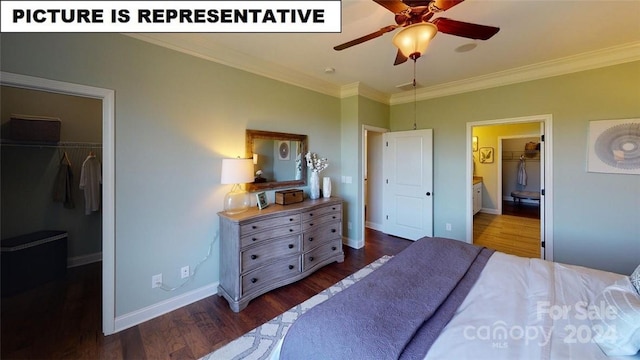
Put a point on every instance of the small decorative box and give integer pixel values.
(286, 197)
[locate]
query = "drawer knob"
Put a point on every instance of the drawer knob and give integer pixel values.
(310, 224)
(290, 230)
(253, 257)
(310, 214)
(253, 239)
(254, 280)
(333, 208)
(291, 267)
(334, 216)
(310, 239)
(290, 246)
(291, 219)
(333, 230)
(310, 258)
(254, 227)
(334, 248)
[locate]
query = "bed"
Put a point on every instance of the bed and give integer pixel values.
(493, 306)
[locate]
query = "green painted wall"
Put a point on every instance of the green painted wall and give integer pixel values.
(595, 216)
(356, 112)
(176, 117)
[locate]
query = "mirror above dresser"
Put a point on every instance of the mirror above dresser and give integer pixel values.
(279, 157)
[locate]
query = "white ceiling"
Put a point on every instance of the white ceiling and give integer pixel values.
(537, 38)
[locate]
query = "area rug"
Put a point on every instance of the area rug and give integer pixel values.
(258, 343)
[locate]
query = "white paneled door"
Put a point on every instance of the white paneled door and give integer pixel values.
(408, 188)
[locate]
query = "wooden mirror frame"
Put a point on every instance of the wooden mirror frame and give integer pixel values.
(251, 135)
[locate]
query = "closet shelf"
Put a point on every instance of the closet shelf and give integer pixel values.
(57, 145)
(515, 155)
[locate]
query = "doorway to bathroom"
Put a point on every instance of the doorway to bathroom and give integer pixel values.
(520, 225)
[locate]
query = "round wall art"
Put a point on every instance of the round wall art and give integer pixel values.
(614, 146)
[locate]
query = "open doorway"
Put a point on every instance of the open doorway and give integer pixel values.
(519, 173)
(372, 146)
(485, 166)
(108, 175)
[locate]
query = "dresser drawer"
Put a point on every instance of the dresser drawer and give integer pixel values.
(318, 212)
(262, 225)
(257, 256)
(319, 220)
(266, 275)
(321, 235)
(320, 254)
(269, 234)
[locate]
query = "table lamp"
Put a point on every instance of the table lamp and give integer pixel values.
(236, 171)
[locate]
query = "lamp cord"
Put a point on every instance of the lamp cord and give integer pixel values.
(165, 287)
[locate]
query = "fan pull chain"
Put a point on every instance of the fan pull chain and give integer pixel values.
(415, 111)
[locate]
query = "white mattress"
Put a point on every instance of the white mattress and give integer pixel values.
(514, 311)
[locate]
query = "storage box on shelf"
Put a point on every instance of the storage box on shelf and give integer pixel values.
(34, 129)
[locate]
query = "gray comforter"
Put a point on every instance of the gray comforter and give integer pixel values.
(396, 312)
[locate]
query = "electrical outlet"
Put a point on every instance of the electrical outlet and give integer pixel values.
(156, 281)
(448, 226)
(184, 272)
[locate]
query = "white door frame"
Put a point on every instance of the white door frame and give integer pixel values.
(546, 201)
(108, 177)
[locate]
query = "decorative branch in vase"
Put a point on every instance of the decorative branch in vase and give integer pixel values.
(316, 165)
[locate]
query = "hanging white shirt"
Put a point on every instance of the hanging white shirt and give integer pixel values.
(90, 180)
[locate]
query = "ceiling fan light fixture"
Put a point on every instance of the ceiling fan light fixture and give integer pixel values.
(413, 40)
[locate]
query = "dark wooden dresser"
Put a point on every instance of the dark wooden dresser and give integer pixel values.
(261, 250)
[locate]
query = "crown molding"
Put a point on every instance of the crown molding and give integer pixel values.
(567, 65)
(234, 59)
(571, 64)
(358, 88)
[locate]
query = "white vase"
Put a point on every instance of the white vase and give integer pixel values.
(326, 187)
(314, 186)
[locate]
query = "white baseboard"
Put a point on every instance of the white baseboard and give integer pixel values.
(84, 259)
(490, 211)
(374, 226)
(139, 316)
(356, 244)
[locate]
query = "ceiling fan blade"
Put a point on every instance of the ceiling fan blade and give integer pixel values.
(368, 37)
(395, 6)
(446, 4)
(464, 29)
(400, 58)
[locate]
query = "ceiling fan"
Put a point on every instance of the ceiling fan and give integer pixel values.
(410, 12)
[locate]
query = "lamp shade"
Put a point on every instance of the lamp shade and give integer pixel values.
(237, 171)
(412, 41)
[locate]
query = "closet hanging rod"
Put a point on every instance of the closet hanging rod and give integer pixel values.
(59, 145)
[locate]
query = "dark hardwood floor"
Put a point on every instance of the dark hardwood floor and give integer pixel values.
(62, 320)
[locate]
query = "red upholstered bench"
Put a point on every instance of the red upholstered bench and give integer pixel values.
(519, 195)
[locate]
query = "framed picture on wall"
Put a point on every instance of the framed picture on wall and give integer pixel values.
(614, 146)
(474, 143)
(486, 155)
(283, 150)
